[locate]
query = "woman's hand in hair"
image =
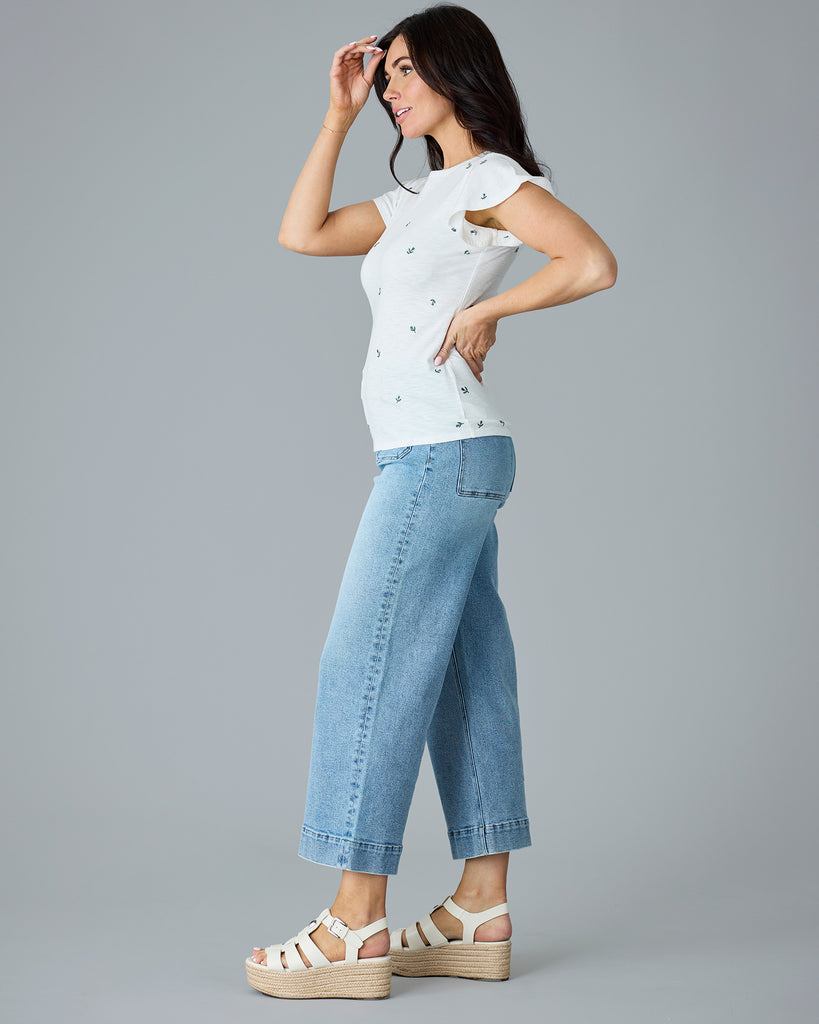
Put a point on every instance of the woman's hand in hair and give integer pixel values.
(350, 81)
(471, 333)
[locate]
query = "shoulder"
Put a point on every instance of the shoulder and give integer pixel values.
(505, 173)
(389, 202)
(491, 180)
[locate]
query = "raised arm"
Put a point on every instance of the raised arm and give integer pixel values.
(308, 225)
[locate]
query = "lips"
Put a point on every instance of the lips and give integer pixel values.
(400, 112)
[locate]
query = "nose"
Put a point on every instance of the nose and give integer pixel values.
(390, 93)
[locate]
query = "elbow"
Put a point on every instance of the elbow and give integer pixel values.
(608, 273)
(603, 272)
(307, 245)
(288, 242)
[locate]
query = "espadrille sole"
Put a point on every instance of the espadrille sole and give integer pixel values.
(486, 961)
(368, 978)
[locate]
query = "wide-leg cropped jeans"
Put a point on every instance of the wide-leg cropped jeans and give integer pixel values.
(419, 652)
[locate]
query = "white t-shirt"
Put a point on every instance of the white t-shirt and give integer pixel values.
(429, 263)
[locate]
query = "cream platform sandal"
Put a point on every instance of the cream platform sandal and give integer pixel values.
(351, 978)
(456, 958)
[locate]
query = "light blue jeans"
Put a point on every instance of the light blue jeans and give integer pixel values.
(419, 651)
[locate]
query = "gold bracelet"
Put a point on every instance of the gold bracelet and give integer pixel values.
(335, 131)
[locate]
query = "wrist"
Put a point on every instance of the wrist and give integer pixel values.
(338, 121)
(487, 312)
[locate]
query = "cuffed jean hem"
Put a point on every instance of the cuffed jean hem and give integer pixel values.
(483, 839)
(337, 852)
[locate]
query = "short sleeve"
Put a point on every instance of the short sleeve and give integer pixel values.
(389, 202)
(490, 180)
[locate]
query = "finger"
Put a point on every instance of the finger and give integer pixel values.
(475, 367)
(473, 359)
(367, 40)
(350, 50)
(358, 48)
(443, 352)
(369, 74)
(337, 56)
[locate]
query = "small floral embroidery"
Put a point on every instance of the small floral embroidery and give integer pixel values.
(432, 302)
(484, 160)
(465, 390)
(437, 369)
(517, 248)
(502, 422)
(459, 423)
(410, 250)
(479, 423)
(453, 229)
(379, 291)
(378, 353)
(466, 252)
(397, 398)
(472, 231)
(468, 165)
(483, 195)
(408, 224)
(412, 328)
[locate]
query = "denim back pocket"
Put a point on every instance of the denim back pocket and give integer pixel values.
(385, 455)
(487, 468)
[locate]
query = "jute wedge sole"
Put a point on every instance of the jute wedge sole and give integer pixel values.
(489, 961)
(366, 979)
(429, 952)
(352, 978)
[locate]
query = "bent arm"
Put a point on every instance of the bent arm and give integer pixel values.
(581, 262)
(308, 226)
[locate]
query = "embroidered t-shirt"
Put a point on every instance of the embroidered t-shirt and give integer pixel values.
(429, 264)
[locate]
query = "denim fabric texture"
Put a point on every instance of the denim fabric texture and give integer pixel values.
(419, 652)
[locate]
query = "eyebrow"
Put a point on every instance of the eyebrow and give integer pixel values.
(397, 62)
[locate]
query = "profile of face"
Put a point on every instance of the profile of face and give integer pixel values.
(417, 108)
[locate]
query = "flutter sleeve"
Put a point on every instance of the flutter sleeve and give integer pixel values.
(489, 180)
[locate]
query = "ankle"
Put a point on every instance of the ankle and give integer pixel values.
(477, 898)
(356, 914)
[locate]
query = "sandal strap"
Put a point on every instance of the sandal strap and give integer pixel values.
(310, 950)
(353, 941)
(414, 940)
(353, 937)
(472, 921)
(435, 937)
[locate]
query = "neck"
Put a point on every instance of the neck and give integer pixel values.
(456, 144)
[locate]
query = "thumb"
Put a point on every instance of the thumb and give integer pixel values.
(445, 349)
(372, 64)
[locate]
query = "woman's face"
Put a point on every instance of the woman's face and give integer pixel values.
(427, 109)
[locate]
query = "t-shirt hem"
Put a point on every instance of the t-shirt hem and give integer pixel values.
(409, 440)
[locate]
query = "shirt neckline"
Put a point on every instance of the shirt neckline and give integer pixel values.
(454, 167)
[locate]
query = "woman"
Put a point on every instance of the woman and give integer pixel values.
(419, 650)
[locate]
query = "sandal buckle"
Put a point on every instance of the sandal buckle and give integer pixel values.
(337, 927)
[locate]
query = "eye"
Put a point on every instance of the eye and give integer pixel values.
(404, 67)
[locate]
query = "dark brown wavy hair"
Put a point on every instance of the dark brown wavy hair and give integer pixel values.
(456, 55)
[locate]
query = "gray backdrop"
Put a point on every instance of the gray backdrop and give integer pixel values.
(185, 460)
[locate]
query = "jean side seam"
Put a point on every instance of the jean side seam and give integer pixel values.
(462, 701)
(388, 597)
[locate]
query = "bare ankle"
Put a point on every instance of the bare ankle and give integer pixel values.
(358, 915)
(475, 898)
